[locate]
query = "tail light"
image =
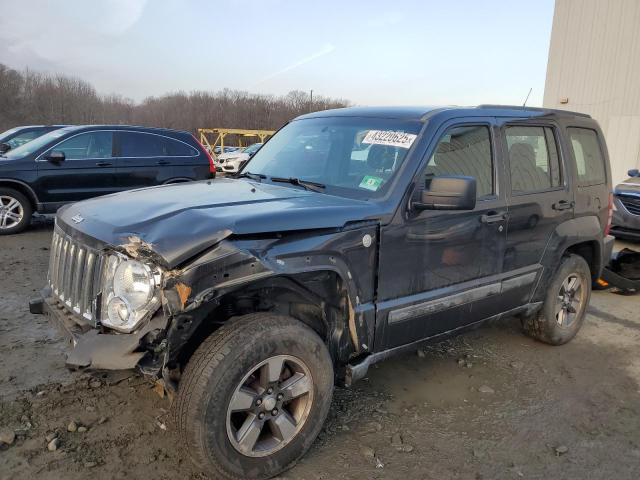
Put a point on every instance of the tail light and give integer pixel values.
(609, 215)
(212, 165)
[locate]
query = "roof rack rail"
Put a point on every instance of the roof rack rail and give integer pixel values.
(535, 109)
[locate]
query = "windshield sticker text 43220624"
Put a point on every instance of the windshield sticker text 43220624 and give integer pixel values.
(390, 138)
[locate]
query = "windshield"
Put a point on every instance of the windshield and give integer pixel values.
(351, 156)
(8, 133)
(38, 143)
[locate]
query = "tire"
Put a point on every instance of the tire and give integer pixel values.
(215, 376)
(15, 211)
(554, 324)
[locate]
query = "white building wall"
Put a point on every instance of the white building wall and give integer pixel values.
(594, 67)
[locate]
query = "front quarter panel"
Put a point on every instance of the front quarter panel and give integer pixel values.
(238, 263)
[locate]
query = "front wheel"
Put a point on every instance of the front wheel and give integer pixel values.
(565, 304)
(254, 396)
(15, 211)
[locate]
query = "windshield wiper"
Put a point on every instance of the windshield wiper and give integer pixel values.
(253, 176)
(307, 185)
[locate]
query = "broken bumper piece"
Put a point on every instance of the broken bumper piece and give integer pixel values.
(89, 348)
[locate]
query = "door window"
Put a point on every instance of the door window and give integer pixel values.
(533, 159)
(464, 150)
(88, 145)
(588, 155)
(134, 144)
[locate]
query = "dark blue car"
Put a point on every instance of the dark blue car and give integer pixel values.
(75, 163)
(18, 136)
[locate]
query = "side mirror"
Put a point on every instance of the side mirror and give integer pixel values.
(449, 193)
(56, 156)
(634, 172)
(4, 147)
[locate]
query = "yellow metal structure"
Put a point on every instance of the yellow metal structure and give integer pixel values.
(213, 137)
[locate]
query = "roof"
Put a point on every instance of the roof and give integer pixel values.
(423, 113)
(22, 127)
(126, 127)
(401, 113)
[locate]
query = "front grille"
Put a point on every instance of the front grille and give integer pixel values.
(74, 274)
(632, 204)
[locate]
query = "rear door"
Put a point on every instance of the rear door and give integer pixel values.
(190, 162)
(87, 171)
(592, 173)
(142, 159)
(540, 198)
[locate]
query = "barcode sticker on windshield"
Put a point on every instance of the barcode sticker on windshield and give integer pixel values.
(390, 138)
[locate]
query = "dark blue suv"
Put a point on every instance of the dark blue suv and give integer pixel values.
(80, 162)
(351, 236)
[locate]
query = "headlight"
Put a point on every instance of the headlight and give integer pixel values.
(130, 294)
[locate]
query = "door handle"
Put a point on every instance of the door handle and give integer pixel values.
(563, 205)
(104, 164)
(493, 217)
(163, 162)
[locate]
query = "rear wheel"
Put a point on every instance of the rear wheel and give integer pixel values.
(15, 211)
(565, 304)
(254, 396)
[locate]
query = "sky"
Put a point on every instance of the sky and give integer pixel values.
(401, 52)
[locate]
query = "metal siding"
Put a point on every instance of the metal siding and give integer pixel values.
(594, 61)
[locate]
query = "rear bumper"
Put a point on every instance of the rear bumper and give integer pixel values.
(91, 348)
(608, 242)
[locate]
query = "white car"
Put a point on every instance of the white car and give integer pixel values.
(232, 162)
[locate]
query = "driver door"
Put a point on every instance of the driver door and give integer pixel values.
(88, 170)
(438, 269)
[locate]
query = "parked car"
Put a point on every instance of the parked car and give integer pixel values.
(219, 150)
(250, 296)
(18, 136)
(626, 207)
(76, 163)
(232, 162)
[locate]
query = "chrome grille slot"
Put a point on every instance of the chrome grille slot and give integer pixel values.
(632, 204)
(74, 274)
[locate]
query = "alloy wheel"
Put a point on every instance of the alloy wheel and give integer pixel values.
(270, 406)
(569, 301)
(11, 212)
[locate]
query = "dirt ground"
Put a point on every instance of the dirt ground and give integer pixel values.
(491, 404)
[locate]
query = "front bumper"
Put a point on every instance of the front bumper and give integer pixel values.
(624, 223)
(89, 347)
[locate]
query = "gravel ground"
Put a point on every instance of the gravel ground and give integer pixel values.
(491, 404)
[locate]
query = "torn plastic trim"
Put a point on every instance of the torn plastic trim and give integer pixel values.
(91, 348)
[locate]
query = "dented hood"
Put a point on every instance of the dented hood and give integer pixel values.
(180, 221)
(631, 186)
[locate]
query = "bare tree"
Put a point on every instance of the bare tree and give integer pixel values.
(36, 98)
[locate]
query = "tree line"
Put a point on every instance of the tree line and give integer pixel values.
(33, 98)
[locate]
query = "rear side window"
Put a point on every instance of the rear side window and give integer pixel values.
(588, 155)
(175, 148)
(139, 144)
(464, 150)
(533, 159)
(134, 144)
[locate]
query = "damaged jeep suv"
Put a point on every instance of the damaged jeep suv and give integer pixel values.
(351, 235)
